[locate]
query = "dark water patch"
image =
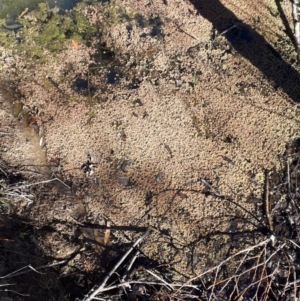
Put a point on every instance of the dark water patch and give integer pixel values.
(113, 76)
(135, 83)
(104, 55)
(140, 20)
(156, 29)
(125, 17)
(18, 6)
(239, 34)
(12, 23)
(81, 85)
(154, 24)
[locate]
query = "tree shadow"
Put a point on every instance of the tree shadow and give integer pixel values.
(251, 45)
(287, 30)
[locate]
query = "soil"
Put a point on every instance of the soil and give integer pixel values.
(162, 114)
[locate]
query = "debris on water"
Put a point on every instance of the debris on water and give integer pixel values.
(88, 166)
(122, 165)
(74, 43)
(137, 103)
(13, 27)
(167, 147)
(122, 135)
(81, 83)
(148, 198)
(182, 195)
(159, 177)
(253, 200)
(34, 118)
(112, 76)
(125, 181)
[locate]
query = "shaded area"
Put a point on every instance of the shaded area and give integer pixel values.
(285, 22)
(251, 45)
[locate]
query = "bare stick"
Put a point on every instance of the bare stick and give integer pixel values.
(159, 278)
(295, 286)
(3, 172)
(267, 202)
(23, 13)
(225, 31)
(101, 287)
(7, 290)
(288, 174)
(20, 271)
(262, 243)
(295, 4)
(20, 195)
(173, 285)
(129, 266)
(187, 33)
(215, 192)
(42, 182)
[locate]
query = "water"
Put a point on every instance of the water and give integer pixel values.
(16, 7)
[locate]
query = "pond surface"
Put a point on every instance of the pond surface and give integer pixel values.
(15, 7)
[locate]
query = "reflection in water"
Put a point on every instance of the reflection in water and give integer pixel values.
(15, 7)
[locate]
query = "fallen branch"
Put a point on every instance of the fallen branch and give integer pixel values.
(20, 271)
(267, 202)
(173, 285)
(95, 292)
(168, 286)
(42, 182)
(263, 243)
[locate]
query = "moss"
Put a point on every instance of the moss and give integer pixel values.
(47, 84)
(115, 14)
(55, 31)
(53, 34)
(73, 99)
(40, 11)
(6, 38)
(82, 24)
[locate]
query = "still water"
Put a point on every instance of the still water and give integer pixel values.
(15, 7)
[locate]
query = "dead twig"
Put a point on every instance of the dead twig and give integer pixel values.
(225, 31)
(168, 286)
(267, 202)
(295, 7)
(217, 267)
(6, 290)
(20, 271)
(128, 283)
(129, 266)
(187, 33)
(3, 171)
(214, 191)
(42, 182)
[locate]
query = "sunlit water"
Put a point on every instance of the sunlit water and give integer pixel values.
(16, 7)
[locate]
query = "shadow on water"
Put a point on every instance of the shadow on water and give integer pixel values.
(253, 46)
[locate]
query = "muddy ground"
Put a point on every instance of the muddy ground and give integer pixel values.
(137, 114)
